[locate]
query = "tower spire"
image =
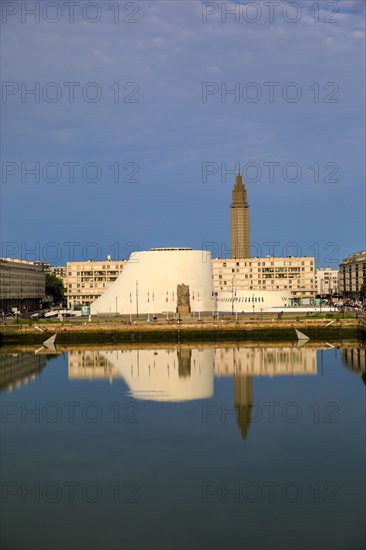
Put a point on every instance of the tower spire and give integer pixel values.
(239, 219)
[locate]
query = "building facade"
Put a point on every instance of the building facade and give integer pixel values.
(60, 272)
(86, 281)
(294, 274)
(352, 275)
(239, 221)
(22, 285)
(327, 281)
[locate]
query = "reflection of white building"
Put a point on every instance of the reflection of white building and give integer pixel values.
(186, 373)
(158, 375)
(148, 283)
(265, 361)
(251, 301)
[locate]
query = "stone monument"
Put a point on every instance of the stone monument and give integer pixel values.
(183, 301)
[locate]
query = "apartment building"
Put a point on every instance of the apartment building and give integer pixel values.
(327, 281)
(352, 275)
(86, 281)
(295, 274)
(22, 285)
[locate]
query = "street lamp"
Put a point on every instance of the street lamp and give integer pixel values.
(232, 296)
(137, 299)
(321, 294)
(253, 303)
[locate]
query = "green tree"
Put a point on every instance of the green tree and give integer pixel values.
(55, 287)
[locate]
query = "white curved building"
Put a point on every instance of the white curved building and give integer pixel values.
(251, 301)
(148, 283)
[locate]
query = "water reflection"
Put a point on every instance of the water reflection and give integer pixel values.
(19, 368)
(174, 451)
(185, 373)
(355, 360)
(156, 374)
(182, 373)
(243, 402)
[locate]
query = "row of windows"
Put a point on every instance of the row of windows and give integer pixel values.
(267, 270)
(95, 268)
(224, 264)
(271, 278)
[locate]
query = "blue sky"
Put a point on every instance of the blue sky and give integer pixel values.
(170, 132)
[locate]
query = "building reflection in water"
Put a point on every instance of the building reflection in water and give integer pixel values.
(181, 374)
(17, 369)
(185, 373)
(243, 402)
(355, 360)
(244, 363)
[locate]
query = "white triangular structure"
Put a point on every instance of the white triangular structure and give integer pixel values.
(50, 343)
(301, 336)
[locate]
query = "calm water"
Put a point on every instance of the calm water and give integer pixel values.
(257, 448)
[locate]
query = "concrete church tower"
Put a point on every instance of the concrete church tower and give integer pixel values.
(239, 220)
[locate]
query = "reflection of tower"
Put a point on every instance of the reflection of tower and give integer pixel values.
(243, 401)
(184, 362)
(239, 221)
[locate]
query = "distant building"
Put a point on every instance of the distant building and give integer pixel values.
(294, 274)
(59, 271)
(239, 221)
(22, 285)
(44, 265)
(327, 281)
(87, 281)
(352, 275)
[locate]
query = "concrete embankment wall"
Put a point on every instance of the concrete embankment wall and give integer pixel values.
(107, 332)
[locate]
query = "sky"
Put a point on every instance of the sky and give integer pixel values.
(143, 111)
